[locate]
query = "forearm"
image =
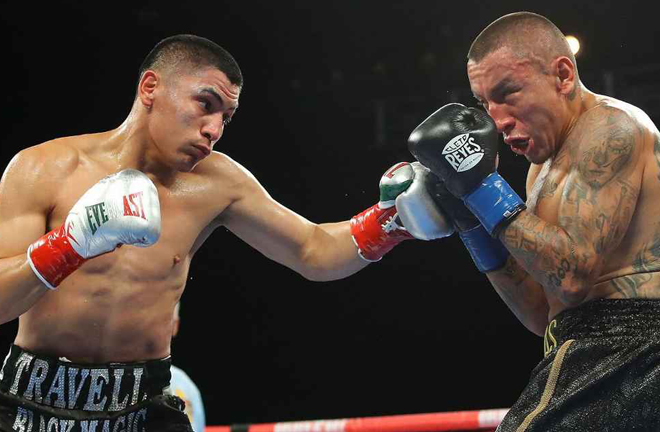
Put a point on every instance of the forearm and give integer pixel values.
(561, 264)
(330, 253)
(524, 296)
(20, 288)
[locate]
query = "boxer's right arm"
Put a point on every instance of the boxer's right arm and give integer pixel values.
(27, 192)
(513, 284)
(522, 294)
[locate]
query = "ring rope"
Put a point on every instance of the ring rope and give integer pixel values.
(478, 420)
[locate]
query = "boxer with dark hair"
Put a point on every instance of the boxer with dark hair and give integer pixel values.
(93, 343)
(581, 265)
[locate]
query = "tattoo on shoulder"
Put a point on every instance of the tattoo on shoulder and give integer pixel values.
(614, 140)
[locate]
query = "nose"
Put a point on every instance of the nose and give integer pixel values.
(213, 130)
(503, 120)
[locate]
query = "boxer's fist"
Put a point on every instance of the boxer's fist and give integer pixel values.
(417, 207)
(378, 229)
(488, 253)
(459, 144)
(122, 208)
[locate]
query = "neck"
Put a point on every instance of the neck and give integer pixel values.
(133, 147)
(584, 101)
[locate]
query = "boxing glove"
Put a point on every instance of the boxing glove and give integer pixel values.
(459, 145)
(487, 253)
(121, 209)
(405, 211)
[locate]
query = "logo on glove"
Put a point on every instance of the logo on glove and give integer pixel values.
(463, 153)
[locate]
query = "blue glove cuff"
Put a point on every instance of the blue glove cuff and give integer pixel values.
(488, 253)
(494, 202)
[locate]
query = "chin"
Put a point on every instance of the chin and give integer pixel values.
(187, 164)
(535, 159)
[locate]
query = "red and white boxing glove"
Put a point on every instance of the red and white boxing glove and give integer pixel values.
(121, 209)
(406, 210)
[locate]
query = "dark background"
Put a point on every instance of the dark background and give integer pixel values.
(332, 90)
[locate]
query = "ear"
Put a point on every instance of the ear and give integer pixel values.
(147, 88)
(566, 77)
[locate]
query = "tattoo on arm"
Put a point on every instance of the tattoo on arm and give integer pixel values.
(597, 203)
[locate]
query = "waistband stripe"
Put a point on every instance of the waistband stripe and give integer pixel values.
(58, 384)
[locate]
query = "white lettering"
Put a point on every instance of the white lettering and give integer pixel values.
(67, 425)
(115, 405)
(99, 378)
(137, 373)
(52, 425)
(143, 414)
(74, 392)
(23, 361)
(57, 389)
(452, 161)
(23, 421)
(88, 425)
(121, 421)
(33, 390)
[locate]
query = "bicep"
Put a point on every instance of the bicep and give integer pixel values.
(268, 226)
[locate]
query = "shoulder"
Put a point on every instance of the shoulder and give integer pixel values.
(225, 172)
(55, 158)
(612, 120)
(221, 167)
(609, 141)
(41, 168)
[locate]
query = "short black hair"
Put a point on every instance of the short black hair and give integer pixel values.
(527, 34)
(192, 51)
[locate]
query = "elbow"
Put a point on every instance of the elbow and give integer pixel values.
(573, 294)
(537, 327)
(316, 274)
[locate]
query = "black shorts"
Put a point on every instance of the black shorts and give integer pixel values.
(601, 372)
(41, 394)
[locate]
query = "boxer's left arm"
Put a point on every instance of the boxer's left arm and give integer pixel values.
(281, 234)
(597, 205)
(316, 251)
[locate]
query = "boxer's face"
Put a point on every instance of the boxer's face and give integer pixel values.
(522, 101)
(190, 111)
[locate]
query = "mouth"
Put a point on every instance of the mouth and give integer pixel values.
(518, 145)
(203, 150)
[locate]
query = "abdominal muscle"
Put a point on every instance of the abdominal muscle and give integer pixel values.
(624, 284)
(116, 308)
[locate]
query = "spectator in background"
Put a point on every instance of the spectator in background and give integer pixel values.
(182, 386)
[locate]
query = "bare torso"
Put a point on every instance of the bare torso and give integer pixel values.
(632, 269)
(119, 306)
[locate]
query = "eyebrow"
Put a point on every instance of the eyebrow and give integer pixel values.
(501, 86)
(216, 95)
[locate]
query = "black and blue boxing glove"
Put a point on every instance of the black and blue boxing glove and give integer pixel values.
(459, 145)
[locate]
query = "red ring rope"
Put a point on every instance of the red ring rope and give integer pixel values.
(433, 422)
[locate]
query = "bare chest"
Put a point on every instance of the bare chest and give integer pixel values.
(549, 190)
(187, 219)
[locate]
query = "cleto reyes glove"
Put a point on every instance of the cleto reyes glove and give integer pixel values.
(459, 145)
(488, 253)
(405, 211)
(121, 209)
